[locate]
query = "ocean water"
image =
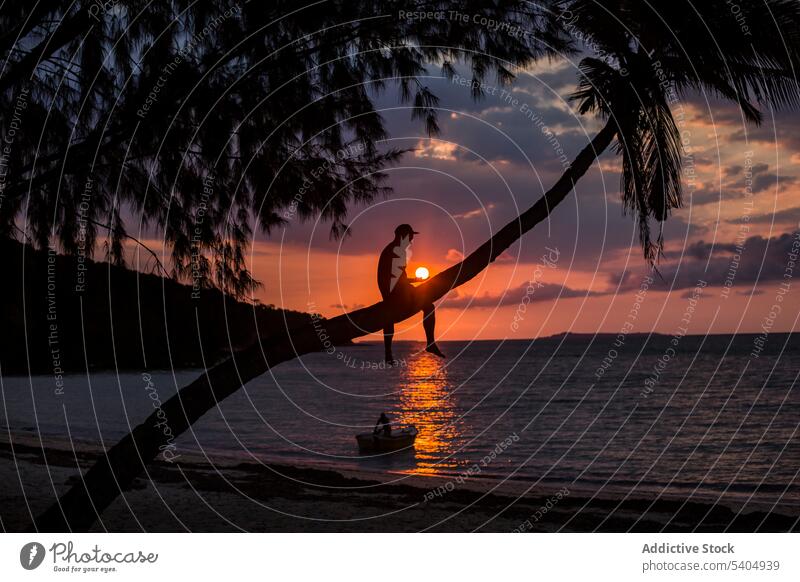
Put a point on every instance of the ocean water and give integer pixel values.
(703, 419)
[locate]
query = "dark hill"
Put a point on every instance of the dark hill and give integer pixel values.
(107, 317)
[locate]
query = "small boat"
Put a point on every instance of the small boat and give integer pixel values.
(401, 438)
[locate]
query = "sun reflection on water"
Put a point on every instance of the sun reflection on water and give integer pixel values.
(426, 402)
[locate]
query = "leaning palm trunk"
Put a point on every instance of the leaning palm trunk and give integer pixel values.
(82, 505)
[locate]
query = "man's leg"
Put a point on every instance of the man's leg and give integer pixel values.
(429, 325)
(388, 335)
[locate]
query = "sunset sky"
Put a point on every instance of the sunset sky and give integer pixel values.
(492, 160)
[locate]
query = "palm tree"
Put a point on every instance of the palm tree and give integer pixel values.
(644, 61)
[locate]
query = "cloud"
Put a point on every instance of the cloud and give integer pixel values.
(475, 213)
(736, 182)
(789, 215)
(758, 259)
(454, 256)
(764, 182)
(538, 292)
(505, 257)
(732, 171)
(437, 149)
(761, 259)
(782, 129)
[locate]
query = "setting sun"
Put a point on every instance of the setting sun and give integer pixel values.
(422, 273)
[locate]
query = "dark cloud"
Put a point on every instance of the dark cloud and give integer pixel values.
(757, 260)
(777, 126)
(736, 181)
(506, 123)
(781, 127)
(734, 170)
(790, 215)
(765, 181)
(535, 292)
(759, 168)
(761, 260)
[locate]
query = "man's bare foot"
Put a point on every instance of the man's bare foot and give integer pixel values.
(434, 349)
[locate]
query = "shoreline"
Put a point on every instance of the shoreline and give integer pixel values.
(246, 496)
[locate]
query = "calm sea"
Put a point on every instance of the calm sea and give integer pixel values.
(646, 418)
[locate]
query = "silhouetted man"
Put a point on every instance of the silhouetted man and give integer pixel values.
(383, 426)
(398, 292)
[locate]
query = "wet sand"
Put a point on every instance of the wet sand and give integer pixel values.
(191, 495)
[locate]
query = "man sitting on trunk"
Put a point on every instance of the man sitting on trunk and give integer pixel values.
(398, 292)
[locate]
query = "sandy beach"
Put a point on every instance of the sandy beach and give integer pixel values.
(197, 496)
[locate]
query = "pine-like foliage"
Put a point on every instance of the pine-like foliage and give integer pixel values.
(202, 120)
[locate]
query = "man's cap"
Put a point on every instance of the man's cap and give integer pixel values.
(404, 229)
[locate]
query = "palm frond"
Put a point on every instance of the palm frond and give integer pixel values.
(648, 142)
(647, 55)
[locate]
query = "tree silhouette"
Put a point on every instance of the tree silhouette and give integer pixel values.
(642, 61)
(197, 120)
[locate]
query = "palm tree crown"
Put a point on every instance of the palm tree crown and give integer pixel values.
(647, 58)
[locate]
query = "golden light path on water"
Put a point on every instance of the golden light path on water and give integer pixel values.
(426, 402)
